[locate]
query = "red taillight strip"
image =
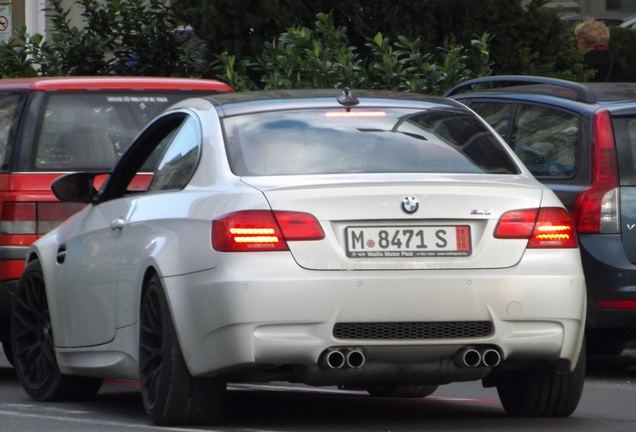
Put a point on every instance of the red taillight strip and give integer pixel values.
(604, 176)
(616, 304)
(18, 218)
(548, 227)
(516, 224)
(35, 218)
(263, 230)
(299, 226)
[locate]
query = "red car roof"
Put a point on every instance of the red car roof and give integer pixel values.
(112, 83)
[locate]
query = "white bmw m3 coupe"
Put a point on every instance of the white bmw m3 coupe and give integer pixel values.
(384, 242)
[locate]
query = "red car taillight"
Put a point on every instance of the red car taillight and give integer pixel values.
(550, 227)
(263, 230)
(35, 218)
(596, 208)
(51, 214)
(617, 304)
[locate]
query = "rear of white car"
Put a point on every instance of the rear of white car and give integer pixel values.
(380, 279)
(428, 302)
(390, 244)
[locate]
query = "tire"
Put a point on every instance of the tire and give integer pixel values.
(33, 345)
(5, 338)
(403, 391)
(542, 394)
(171, 395)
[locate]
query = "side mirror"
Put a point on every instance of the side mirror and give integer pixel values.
(79, 187)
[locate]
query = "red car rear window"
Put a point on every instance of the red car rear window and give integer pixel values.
(84, 131)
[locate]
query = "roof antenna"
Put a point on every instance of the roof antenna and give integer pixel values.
(347, 99)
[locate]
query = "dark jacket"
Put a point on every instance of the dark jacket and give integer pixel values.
(606, 66)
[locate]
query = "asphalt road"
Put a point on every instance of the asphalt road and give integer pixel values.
(608, 404)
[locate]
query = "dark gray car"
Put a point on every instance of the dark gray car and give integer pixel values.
(580, 140)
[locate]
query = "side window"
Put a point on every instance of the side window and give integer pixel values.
(10, 107)
(496, 114)
(546, 140)
(179, 157)
(625, 136)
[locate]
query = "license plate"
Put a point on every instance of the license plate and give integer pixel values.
(412, 241)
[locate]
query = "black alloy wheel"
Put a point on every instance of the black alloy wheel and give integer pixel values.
(33, 345)
(150, 348)
(170, 394)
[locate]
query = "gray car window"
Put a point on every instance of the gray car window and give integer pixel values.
(363, 141)
(179, 159)
(625, 136)
(546, 140)
(497, 115)
(82, 131)
(10, 106)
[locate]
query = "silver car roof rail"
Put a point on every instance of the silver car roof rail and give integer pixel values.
(580, 92)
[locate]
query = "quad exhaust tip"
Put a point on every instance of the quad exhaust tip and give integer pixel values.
(354, 358)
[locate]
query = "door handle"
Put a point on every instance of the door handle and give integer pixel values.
(61, 254)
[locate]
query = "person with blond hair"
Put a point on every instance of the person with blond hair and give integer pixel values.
(593, 37)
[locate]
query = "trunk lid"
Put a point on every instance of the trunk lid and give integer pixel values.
(366, 227)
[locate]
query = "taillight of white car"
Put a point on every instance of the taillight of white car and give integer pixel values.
(549, 227)
(263, 230)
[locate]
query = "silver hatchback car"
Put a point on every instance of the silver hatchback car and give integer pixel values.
(385, 242)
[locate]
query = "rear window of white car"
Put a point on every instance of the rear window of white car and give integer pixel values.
(363, 141)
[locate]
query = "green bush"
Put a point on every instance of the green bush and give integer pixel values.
(526, 36)
(621, 45)
(16, 59)
(399, 44)
(132, 37)
(322, 57)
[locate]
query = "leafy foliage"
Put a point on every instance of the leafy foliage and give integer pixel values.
(118, 37)
(18, 60)
(525, 36)
(321, 57)
(621, 45)
(425, 46)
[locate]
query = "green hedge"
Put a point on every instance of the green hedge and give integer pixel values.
(622, 45)
(398, 44)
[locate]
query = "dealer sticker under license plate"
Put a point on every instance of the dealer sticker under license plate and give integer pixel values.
(412, 241)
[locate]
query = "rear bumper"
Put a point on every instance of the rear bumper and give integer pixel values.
(13, 253)
(609, 276)
(279, 314)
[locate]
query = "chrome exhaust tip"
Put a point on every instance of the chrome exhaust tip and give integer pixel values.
(467, 357)
(332, 359)
(490, 357)
(355, 358)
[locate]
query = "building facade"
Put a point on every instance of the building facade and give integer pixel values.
(16, 13)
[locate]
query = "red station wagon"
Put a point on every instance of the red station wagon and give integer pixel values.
(52, 126)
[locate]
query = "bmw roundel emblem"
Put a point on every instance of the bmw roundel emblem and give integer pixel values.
(410, 205)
